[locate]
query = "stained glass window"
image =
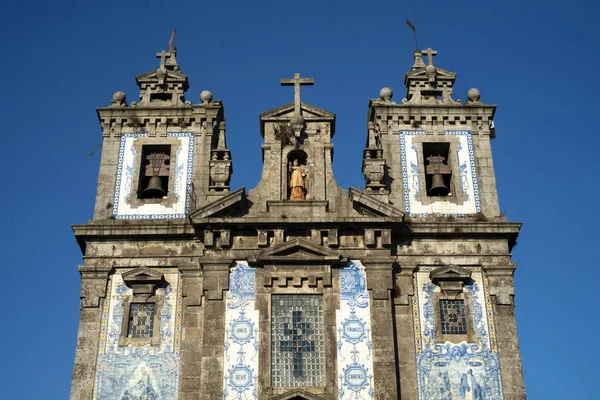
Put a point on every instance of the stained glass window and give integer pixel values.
(297, 340)
(454, 321)
(141, 320)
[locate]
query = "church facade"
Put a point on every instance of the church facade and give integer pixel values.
(297, 288)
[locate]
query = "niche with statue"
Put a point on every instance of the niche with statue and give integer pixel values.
(297, 175)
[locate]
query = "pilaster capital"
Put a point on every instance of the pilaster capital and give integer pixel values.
(215, 277)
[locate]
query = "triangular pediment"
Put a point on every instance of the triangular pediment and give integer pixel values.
(298, 394)
(219, 206)
(150, 76)
(309, 112)
(440, 73)
(142, 275)
(297, 251)
(368, 205)
(450, 273)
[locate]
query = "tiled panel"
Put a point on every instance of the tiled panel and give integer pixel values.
(128, 160)
(297, 340)
(410, 159)
(354, 356)
(136, 372)
(456, 370)
(241, 336)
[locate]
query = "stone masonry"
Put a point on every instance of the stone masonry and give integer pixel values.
(178, 251)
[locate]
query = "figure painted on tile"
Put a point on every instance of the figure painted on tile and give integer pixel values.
(297, 182)
(469, 388)
(141, 391)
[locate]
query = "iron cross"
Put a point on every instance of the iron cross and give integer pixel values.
(296, 81)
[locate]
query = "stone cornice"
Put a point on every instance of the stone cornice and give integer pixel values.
(128, 229)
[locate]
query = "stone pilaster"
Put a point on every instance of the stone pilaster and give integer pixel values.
(215, 274)
(192, 330)
(380, 284)
(502, 293)
(405, 339)
(93, 295)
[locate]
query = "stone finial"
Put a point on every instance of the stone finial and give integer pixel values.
(418, 60)
(119, 99)
(386, 94)
(473, 96)
(206, 96)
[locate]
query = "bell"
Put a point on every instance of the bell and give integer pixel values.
(154, 188)
(438, 188)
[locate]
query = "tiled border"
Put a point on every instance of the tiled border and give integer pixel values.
(405, 171)
(190, 159)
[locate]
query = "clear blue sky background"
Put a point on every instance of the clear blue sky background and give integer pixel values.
(537, 60)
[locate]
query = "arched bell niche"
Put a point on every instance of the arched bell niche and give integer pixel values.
(297, 187)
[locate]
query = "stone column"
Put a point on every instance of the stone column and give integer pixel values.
(93, 295)
(405, 338)
(502, 293)
(215, 273)
(380, 285)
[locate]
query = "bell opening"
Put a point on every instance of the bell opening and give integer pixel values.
(154, 172)
(438, 174)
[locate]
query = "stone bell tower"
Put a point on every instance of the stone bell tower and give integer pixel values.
(297, 289)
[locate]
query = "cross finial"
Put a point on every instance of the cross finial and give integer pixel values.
(429, 53)
(163, 55)
(296, 81)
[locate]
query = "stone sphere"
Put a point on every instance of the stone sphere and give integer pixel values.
(297, 120)
(161, 73)
(386, 94)
(118, 97)
(430, 69)
(206, 96)
(473, 94)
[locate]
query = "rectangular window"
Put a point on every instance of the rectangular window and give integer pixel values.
(141, 320)
(453, 316)
(297, 340)
(154, 171)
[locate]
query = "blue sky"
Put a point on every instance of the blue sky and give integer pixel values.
(536, 60)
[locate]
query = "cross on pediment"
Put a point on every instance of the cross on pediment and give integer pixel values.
(296, 81)
(429, 53)
(164, 55)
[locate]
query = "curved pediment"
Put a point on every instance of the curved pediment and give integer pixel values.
(297, 251)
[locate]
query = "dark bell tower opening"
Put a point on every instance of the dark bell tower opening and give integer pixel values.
(438, 175)
(154, 172)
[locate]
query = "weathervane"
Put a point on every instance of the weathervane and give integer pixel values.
(410, 24)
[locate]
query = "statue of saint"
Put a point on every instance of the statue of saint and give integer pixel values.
(297, 182)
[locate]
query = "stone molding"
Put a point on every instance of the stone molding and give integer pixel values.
(215, 277)
(218, 205)
(380, 279)
(374, 205)
(296, 276)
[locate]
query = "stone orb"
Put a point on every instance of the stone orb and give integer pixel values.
(386, 94)
(473, 94)
(119, 97)
(206, 96)
(430, 69)
(297, 120)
